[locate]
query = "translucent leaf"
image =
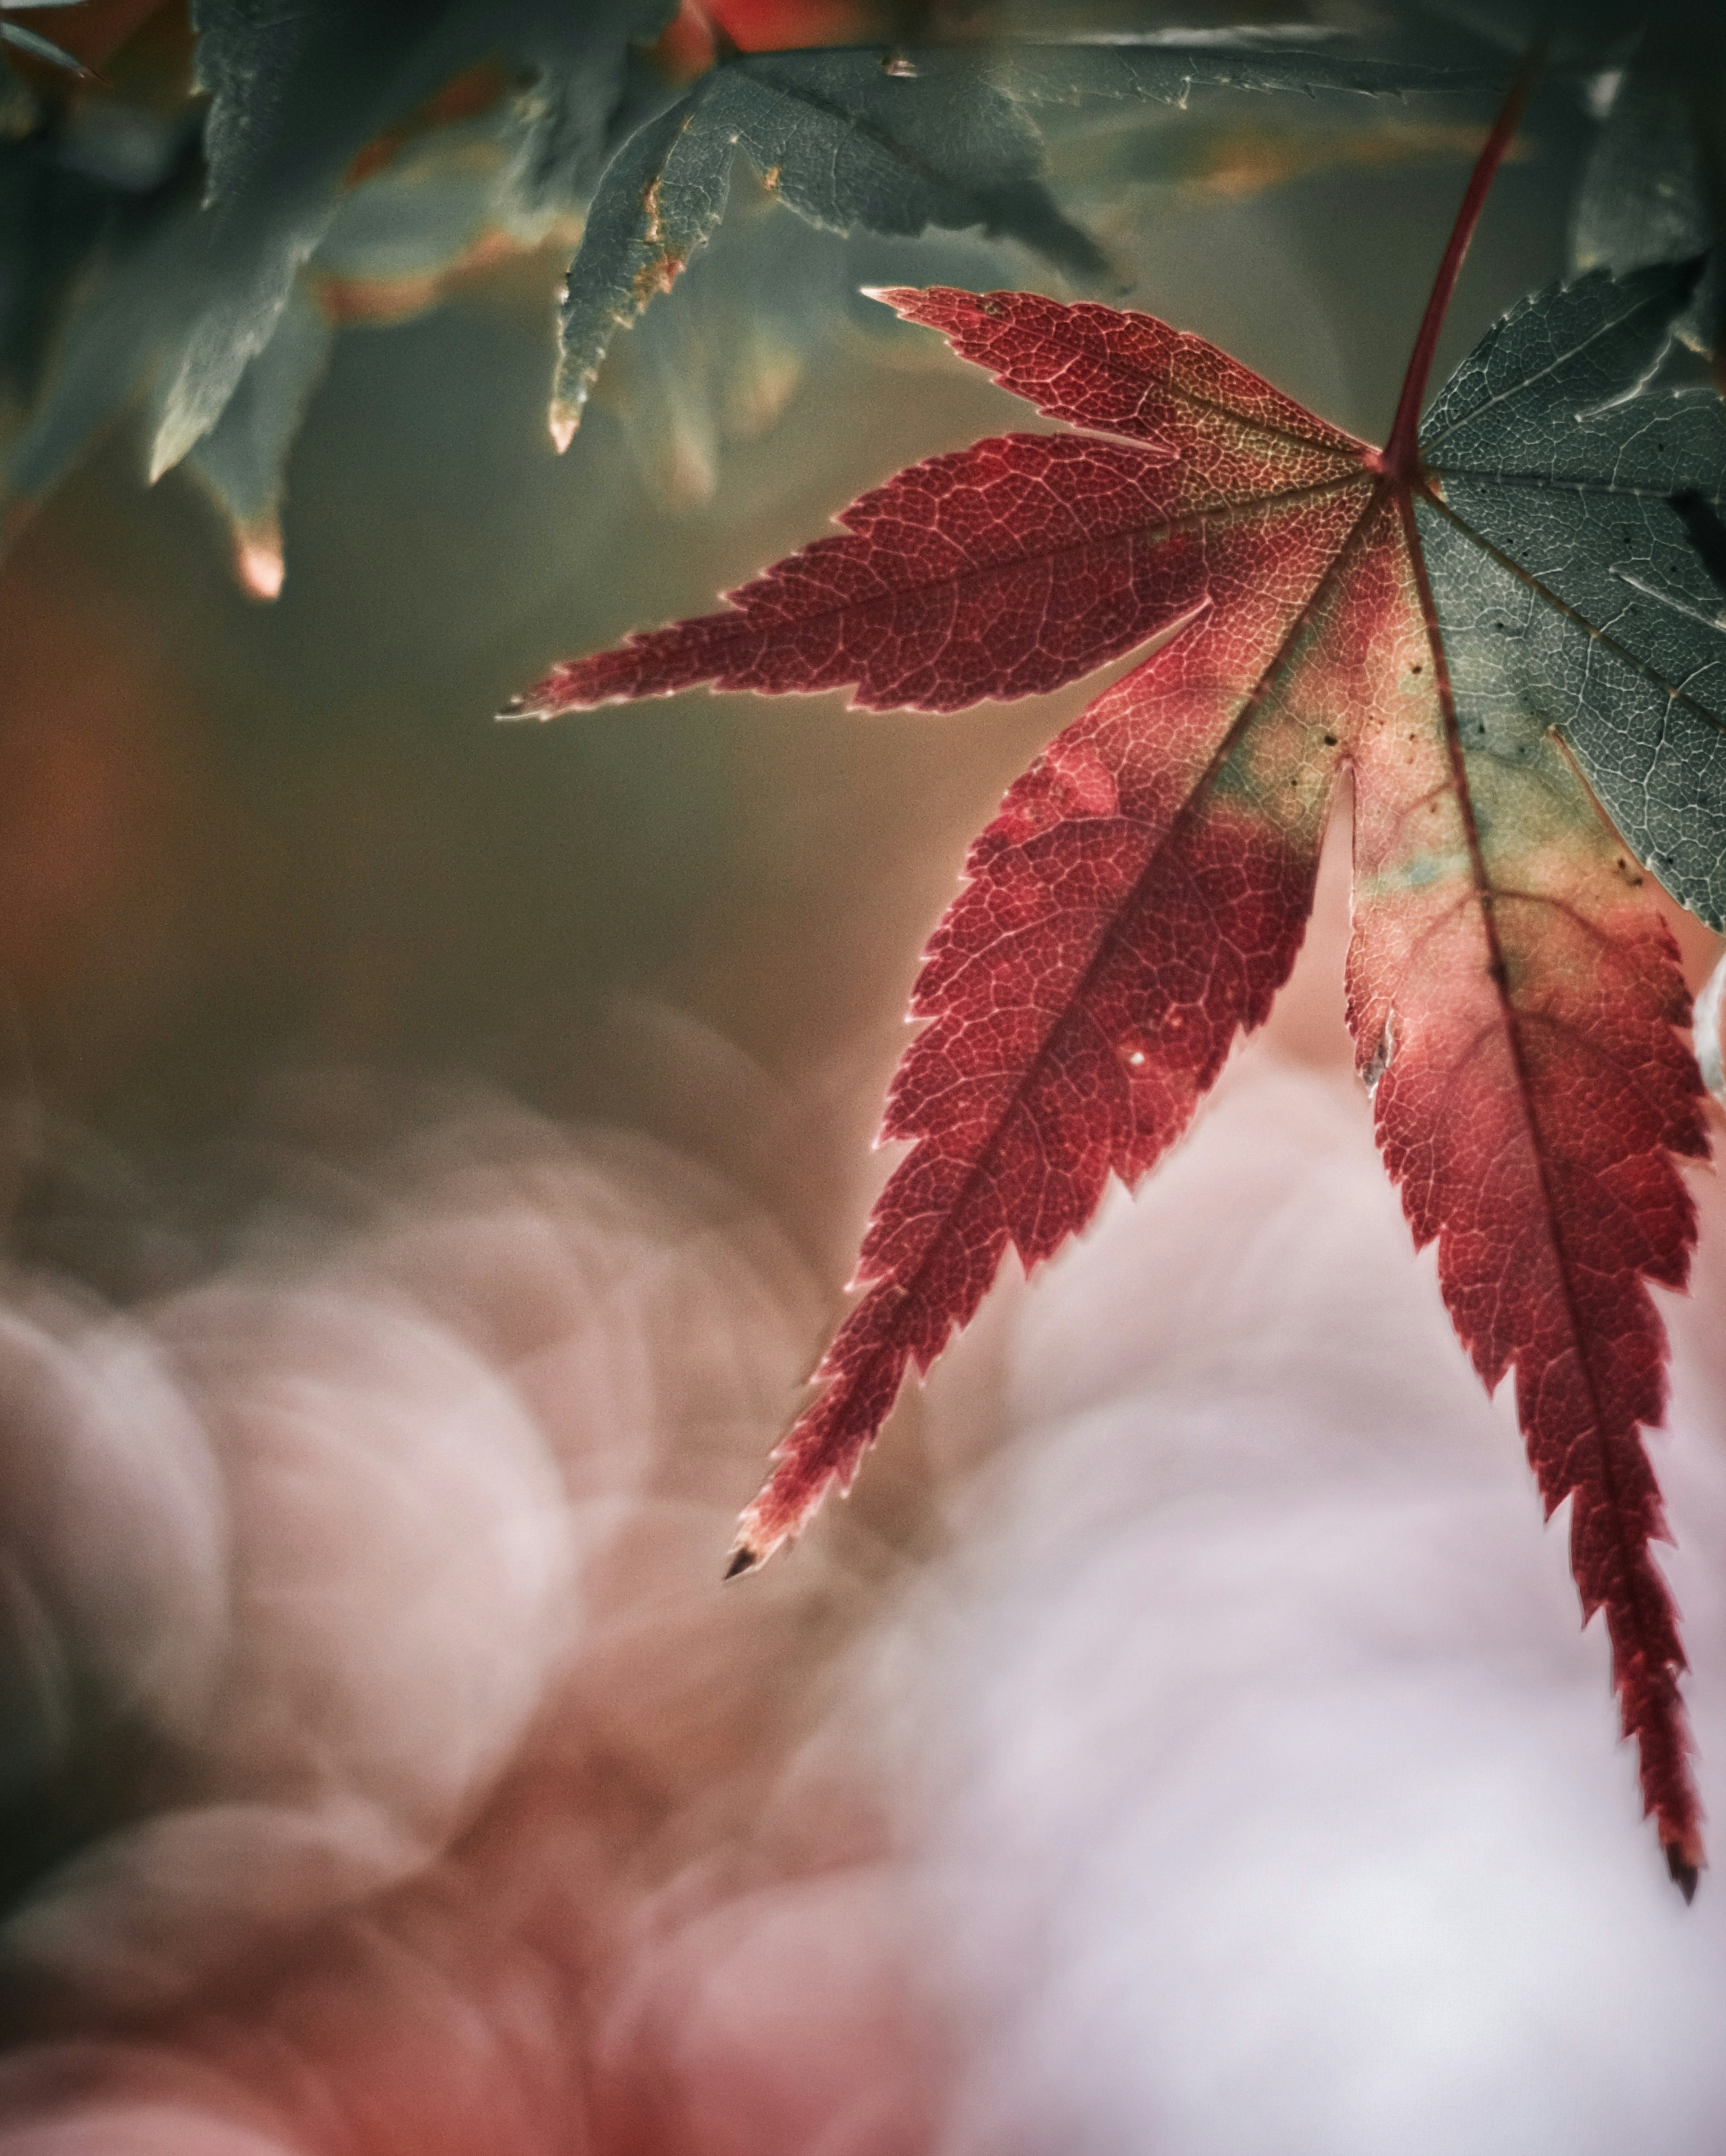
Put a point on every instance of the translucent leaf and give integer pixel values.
(242, 462)
(1508, 619)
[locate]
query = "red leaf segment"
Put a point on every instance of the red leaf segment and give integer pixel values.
(1141, 895)
(1515, 997)
(1532, 1122)
(1139, 900)
(1020, 564)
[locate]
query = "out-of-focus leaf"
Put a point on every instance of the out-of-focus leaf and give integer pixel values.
(380, 152)
(445, 203)
(844, 140)
(1230, 162)
(51, 217)
(89, 177)
(1585, 32)
(572, 115)
(243, 461)
(124, 146)
(1169, 67)
(296, 93)
(887, 140)
(441, 206)
(1642, 198)
(754, 311)
(305, 102)
(124, 316)
(1654, 189)
(1654, 73)
(32, 42)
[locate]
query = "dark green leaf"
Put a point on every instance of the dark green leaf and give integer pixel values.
(52, 218)
(110, 346)
(1168, 69)
(753, 309)
(579, 105)
(242, 462)
(1642, 198)
(297, 93)
(880, 139)
(1592, 612)
(845, 141)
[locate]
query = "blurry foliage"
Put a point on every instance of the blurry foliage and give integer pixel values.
(192, 204)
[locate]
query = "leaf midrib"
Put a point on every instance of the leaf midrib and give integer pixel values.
(738, 619)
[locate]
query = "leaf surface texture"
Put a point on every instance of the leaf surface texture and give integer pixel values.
(1499, 638)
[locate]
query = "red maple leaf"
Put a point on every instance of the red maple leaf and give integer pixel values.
(702, 29)
(1140, 898)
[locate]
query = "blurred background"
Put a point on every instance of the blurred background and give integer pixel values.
(432, 1153)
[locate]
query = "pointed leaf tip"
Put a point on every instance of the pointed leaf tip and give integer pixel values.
(166, 451)
(564, 420)
(43, 49)
(1685, 1874)
(259, 565)
(743, 1560)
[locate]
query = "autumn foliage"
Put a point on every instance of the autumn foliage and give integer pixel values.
(1319, 609)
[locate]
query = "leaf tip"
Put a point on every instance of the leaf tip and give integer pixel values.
(563, 420)
(746, 1558)
(1683, 1870)
(184, 415)
(170, 445)
(259, 565)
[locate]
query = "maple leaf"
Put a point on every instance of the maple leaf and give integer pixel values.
(296, 95)
(1500, 623)
(896, 139)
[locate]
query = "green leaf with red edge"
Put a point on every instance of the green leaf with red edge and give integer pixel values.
(1502, 623)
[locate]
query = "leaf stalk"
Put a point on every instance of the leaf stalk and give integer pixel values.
(1399, 459)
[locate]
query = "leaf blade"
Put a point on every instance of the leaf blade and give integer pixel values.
(1015, 566)
(927, 604)
(1125, 917)
(1166, 68)
(848, 144)
(1559, 529)
(1516, 1002)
